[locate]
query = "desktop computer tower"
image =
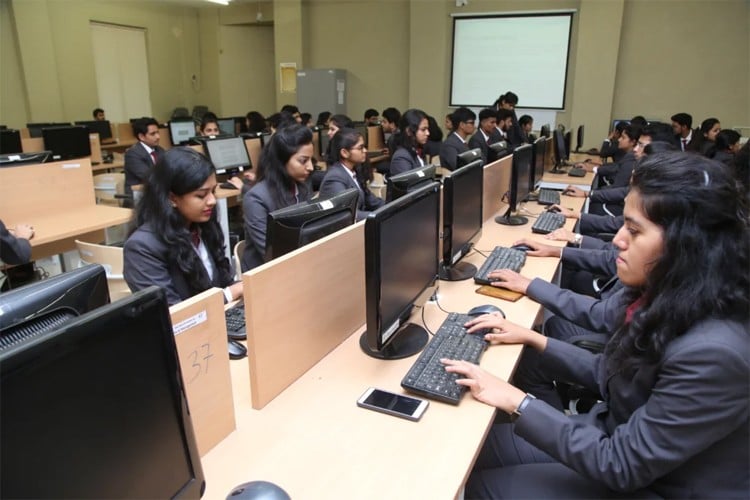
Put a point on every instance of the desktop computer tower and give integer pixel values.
(321, 90)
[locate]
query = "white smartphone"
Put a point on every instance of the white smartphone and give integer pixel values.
(394, 404)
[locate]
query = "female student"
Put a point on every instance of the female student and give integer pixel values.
(178, 244)
(710, 128)
(675, 378)
(412, 135)
(349, 152)
(285, 165)
(209, 125)
(726, 145)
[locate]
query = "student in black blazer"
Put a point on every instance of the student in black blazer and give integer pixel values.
(674, 379)
(464, 124)
(349, 152)
(15, 247)
(414, 130)
(178, 244)
(284, 168)
(509, 101)
(143, 155)
(486, 134)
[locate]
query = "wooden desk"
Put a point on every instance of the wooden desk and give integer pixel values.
(58, 200)
(312, 439)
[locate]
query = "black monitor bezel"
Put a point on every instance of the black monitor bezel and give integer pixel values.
(537, 162)
(172, 134)
(468, 157)
(400, 184)
(101, 127)
(63, 147)
(211, 142)
(10, 139)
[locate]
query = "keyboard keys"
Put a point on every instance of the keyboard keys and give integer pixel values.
(548, 197)
(548, 222)
(235, 320)
(500, 258)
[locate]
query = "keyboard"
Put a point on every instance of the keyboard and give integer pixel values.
(500, 258)
(548, 197)
(577, 172)
(548, 222)
(427, 376)
(235, 319)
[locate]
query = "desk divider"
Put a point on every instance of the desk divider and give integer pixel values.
(300, 307)
(253, 146)
(32, 144)
(496, 183)
(201, 338)
(96, 148)
(125, 133)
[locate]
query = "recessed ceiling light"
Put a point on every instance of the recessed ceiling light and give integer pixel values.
(220, 2)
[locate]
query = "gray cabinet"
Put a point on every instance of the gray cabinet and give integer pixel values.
(321, 90)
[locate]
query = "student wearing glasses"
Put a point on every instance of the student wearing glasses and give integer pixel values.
(349, 152)
(674, 416)
(411, 137)
(464, 125)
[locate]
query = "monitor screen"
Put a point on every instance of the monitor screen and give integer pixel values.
(67, 143)
(400, 184)
(100, 127)
(519, 186)
(401, 267)
(559, 147)
(295, 226)
(537, 164)
(468, 157)
(180, 131)
(227, 126)
(227, 153)
(96, 408)
(462, 219)
(34, 308)
(10, 141)
(35, 129)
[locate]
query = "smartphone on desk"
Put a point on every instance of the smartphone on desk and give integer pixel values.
(398, 405)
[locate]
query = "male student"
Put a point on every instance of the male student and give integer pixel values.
(504, 118)
(389, 122)
(682, 124)
(372, 117)
(293, 111)
(144, 154)
(464, 123)
(486, 134)
(98, 114)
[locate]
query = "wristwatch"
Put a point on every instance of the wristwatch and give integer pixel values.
(519, 411)
(577, 239)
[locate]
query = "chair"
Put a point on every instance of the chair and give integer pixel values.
(111, 259)
(198, 112)
(107, 187)
(180, 113)
(239, 249)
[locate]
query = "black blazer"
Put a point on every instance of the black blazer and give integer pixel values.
(450, 148)
(404, 160)
(13, 250)
(146, 262)
(337, 179)
(138, 164)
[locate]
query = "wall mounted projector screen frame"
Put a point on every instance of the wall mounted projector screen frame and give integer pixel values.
(527, 53)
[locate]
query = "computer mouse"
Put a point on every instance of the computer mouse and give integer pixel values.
(522, 247)
(484, 309)
(236, 350)
(554, 210)
(258, 490)
(227, 185)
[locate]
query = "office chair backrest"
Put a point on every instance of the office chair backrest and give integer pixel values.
(112, 260)
(107, 186)
(239, 249)
(180, 113)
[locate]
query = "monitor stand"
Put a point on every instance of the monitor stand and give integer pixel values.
(511, 220)
(457, 272)
(408, 341)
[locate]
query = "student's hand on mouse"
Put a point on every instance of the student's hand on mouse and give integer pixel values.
(569, 213)
(236, 182)
(574, 191)
(250, 176)
(538, 249)
(505, 278)
(24, 231)
(561, 234)
(484, 387)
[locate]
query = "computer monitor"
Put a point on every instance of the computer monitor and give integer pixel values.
(10, 141)
(293, 227)
(96, 408)
(323, 141)
(227, 126)
(568, 139)
(400, 184)
(544, 132)
(579, 138)
(35, 129)
(401, 267)
(561, 155)
(39, 306)
(519, 186)
(228, 154)
(497, 150)
(181, 130)
(462, 219)
(67, 143)
(537, 162)
(18, 159)
(467, 157)
(100, 127)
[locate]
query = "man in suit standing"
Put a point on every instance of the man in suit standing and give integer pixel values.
(143, 155)
(464, 124)
(486, 135)
(682, 124)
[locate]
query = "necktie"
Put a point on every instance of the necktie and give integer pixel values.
(153, 156)
(684, 144)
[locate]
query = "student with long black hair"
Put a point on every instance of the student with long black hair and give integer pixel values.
(411, 137)
(284, 167)
(675, 417)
